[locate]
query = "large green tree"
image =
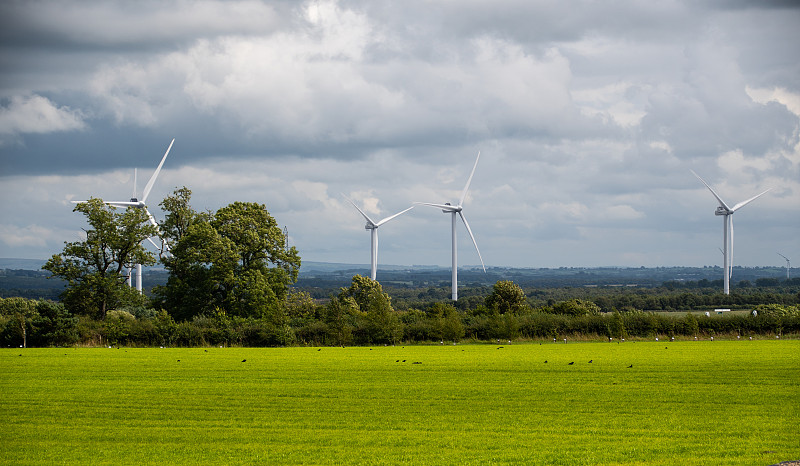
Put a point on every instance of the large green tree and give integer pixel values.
(235, 259)
(507, 298)
(377, 321)
(93, 267)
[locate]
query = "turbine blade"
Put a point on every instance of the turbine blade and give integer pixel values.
(150, 217)
(447, 207)
(469, 230)
(154, 243)
(152, 181)
(466, 188)
(134, 196)
(744, 203)
(393, 216)
(721, 202)
(369, 220)
(121, 203)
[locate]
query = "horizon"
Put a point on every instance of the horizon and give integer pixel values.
(4, 260)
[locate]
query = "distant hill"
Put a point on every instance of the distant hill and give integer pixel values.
(21, 264)
(24, 277)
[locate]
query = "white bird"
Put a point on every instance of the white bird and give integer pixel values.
(372, 226)
(454, 210)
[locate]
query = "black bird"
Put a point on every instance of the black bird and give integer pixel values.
(573, 362)
(319, 349)
(630, 366)
(499, 347)
(545, 361)
(404, 360)
(244, 360)
(397, 360)
(590, 361)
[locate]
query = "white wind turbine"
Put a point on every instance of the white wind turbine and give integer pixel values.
(453, 210)
(137, 203)
(788, 264)
(727, 225)
(372, 226)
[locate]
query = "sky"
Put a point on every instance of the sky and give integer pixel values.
(588, 117)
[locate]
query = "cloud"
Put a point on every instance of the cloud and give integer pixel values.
(588, 117)
(35, 114)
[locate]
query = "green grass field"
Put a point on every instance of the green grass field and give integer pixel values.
(722, 402)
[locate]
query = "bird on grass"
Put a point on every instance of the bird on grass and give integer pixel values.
(630, 366)
(545, 361)
(573, 362)
(590, 361)
(244, 360)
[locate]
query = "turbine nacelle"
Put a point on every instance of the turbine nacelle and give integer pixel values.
(722, 211)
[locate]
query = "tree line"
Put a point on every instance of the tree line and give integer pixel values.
(231, 277)
(362, 314)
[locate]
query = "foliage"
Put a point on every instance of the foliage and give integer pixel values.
(36, 323)
(507, 297)
(776, 310)
(93, 267)
(574, 307)
(235, 259)
(376, 321)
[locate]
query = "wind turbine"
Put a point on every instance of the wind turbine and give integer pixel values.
(788, 265)
(137, 203)
(453, 210)
(372, 226)
(727, 225)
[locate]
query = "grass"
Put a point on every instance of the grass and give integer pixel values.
(723, 402)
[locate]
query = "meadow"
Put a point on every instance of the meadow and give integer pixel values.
(682, 402)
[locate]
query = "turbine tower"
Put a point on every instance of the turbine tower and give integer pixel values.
(372, 226)
(454, 210)
(727, 226)
(137, 203)
(788, 264)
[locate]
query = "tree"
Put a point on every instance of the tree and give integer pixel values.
(92, 267)
(446, 322)
(576, 307)
(379, 322)
(616, 325)
(235, 259)
(507, 297)
(20, 313)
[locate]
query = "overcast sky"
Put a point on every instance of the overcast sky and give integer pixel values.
(588, 117)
